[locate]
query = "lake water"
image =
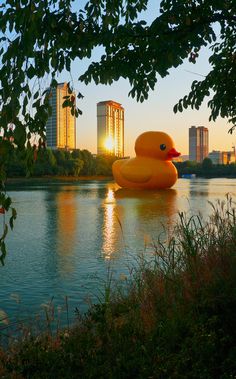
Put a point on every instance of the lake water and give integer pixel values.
(67, 235)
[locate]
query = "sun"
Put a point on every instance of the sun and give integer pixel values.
(109, 143)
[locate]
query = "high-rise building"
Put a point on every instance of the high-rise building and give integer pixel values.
(228, 157)
(110, 128)
(222, 157)
(215, 156)
(60, 127)
(198, 143)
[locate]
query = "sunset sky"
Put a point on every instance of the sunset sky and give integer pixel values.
(156, 113)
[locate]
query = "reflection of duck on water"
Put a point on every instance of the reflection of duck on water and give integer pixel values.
(152, 168)
(149, 203)
(129, 193)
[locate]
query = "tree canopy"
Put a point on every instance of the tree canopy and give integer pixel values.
(41, 38)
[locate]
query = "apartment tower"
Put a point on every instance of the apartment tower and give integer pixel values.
(198, 143)
(110, 128)
(61, 125)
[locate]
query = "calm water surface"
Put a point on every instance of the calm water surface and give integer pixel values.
(67, 235)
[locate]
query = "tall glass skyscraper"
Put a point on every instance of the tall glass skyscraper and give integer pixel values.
(110, 128)
(198, 143)
(61, 125)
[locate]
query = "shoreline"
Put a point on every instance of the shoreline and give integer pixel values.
(58, 178)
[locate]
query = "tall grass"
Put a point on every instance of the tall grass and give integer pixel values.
(175, 318)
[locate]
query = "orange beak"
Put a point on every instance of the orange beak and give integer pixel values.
(172, 153)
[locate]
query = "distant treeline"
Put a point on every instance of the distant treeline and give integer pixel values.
(206, 169)
(82, 162)
(59, 162)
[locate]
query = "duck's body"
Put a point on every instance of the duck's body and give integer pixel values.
(151, 169)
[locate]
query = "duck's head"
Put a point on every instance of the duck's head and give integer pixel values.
(156, 145)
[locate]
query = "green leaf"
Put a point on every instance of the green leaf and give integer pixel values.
(12, 218)
(36, 95)
(175, 109)
(19, 135)
(68, 63)
(31, 72)
(66, 103)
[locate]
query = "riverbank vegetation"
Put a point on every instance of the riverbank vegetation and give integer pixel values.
(76, 163)
(173, 318)
(206, 169)
(58, 163)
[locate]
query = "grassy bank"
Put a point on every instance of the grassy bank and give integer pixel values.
(175, 317)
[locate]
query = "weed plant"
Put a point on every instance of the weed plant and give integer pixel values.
(175, 318)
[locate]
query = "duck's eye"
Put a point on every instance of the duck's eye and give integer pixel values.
(162, 146)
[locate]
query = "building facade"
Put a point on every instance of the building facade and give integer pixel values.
(198, 143)
(222, 157)
(110, 128)
(215, 156)
(61, 125)
(228, 157)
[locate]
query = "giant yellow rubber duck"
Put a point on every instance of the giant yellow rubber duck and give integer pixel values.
(152, 167)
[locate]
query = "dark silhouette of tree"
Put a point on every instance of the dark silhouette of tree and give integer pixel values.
(207, 164)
